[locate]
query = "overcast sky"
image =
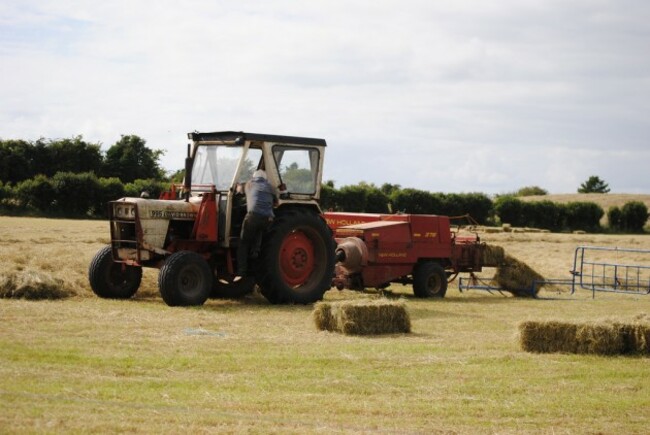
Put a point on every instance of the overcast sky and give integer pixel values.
(446, 96)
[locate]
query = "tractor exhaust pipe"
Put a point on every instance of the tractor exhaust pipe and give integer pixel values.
(188, 175)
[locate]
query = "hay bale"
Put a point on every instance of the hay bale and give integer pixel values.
(516, 277)
(493, 256)
(600, 339)
(506, 228)
(595, 338)
(368, 317)
(323, 316)
(548, 337)
(32, 285)
(636, 338)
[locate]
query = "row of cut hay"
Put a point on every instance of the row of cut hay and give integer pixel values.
(33, 285)
(366, 317)
(598, 338)
(507, 228)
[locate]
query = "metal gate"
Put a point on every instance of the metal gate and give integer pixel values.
(616, 270)
(595, 268)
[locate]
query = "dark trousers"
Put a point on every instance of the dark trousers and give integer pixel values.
(250, 239)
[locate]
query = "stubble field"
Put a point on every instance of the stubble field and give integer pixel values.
(87, 365)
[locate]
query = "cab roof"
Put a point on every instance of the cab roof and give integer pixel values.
(233, 135)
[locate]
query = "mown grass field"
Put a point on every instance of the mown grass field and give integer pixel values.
(86, 365)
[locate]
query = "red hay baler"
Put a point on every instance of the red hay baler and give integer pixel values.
(374, 250)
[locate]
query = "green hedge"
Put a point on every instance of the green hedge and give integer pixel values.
(549, 215)
(631, 218)
(74, 194)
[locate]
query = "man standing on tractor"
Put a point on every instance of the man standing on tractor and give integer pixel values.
(261, 197)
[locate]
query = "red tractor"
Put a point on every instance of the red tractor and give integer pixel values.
(192, 236)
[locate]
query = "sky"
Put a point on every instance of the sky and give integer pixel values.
(445, 96)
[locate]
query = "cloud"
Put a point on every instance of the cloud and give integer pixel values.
(445, 96)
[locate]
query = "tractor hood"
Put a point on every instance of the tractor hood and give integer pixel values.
(148, 220)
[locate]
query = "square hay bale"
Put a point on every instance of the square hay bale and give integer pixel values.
(323, 316)
(599, 339)
(548, 336)
(368, 317)
(637, 338)
(595, 338)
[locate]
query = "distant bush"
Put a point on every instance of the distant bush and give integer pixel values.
(511, 210)
(416, 201)
(615, 218)
(583, 216)
(328, 197)
(110, 189)
(531, 191)
(634, 216)
(549, 215)
(153, 187)
(75, 194)
(36, 193)
(545, 214)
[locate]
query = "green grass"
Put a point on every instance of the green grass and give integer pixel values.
(90, 365)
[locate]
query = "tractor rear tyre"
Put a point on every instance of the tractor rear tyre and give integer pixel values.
(112, 280)
(185, 279)
(296, 264)
(429, 280)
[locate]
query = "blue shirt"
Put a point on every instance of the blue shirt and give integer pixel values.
(260, 197)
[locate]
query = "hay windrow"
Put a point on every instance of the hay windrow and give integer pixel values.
(368, 317)
(596, 338)
(32, 285)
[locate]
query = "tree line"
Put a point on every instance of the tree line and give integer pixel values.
(128, 159)
(73, 178)
(510, 208)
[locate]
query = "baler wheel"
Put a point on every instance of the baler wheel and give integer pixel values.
(185, 279)
(112, 280)
(297, 259)
(429, 280)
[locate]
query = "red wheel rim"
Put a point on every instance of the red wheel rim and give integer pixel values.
(296, 258)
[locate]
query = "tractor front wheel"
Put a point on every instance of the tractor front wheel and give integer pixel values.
(185, 279)
(429, 280)
(112, 280)
(297, 259)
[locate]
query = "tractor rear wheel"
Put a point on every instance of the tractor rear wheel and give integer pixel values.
(296, 264)
(112, 280)
(185, 279)
(429, 280)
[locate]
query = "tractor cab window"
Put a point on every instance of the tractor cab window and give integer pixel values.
(297, 167)
(217, 165)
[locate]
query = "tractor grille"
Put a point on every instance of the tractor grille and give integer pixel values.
(123, 234)
(123, 230)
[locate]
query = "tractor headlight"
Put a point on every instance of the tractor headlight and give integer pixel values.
(125, 211)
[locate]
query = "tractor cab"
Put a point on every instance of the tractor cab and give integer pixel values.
(223, 162)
